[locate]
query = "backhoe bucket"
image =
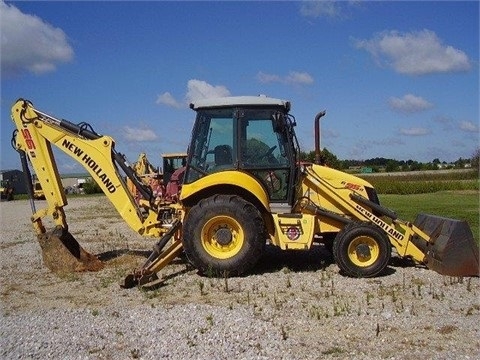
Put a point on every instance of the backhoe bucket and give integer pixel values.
(63, 254)
(451, 250)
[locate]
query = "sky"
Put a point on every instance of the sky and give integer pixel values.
(397, 79)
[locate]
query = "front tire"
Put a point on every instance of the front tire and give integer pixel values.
(362, 250)
(223, 235)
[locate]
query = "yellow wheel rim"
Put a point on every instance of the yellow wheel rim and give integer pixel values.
(222, 237)
(363, 251)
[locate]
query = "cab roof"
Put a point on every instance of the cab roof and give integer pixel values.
(230, 101)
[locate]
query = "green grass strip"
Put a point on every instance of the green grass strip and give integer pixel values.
(461, 205)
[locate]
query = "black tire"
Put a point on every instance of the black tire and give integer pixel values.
(223, 235)
(362, 250)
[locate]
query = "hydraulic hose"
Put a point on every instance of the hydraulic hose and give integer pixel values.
(127, 169)
(380, 209)
(28, 178)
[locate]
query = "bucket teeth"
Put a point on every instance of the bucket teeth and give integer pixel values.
(451, 249)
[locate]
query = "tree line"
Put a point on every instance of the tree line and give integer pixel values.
(380, 164)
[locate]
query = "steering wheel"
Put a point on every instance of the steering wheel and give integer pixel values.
(268, 153)
(255, 158)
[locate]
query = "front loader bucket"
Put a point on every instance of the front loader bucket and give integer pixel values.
(451, 249)
(62, 254)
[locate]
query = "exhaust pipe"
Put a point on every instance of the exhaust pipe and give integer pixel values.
(318, 155)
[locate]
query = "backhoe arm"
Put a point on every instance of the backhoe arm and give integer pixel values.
(33, 138)
(37, 131)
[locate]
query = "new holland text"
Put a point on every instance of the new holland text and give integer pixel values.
(91, 164)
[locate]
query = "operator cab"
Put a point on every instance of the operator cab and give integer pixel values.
(249, 134)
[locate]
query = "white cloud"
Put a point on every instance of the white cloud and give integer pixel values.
(199, 89)
(409, 104)
(415, 131)
(30, 44)
(328, 9)
(140, 135)
(167, 99)
(415, 53)
(71, 167)
(196, 90)
(316, 9)
(445, 122)
(391, 141)
(268, 78)
(294, 77)
(468, 126)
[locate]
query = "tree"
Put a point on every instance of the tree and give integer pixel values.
(391, 166)
(327, 158)
(460, 163)
(475, 158)
(91, 187)
(307, 157)
(330, 159)
(415, 166)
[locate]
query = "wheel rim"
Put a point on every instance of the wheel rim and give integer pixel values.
(222, 237)
(363, 251)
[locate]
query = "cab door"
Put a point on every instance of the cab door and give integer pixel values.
(263, 153)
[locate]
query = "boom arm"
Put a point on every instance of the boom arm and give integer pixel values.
(399, 232)
(37, 131)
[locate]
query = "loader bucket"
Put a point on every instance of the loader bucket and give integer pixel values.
(451, 249)
(62, 254)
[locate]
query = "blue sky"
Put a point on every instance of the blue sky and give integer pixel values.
(398, 79)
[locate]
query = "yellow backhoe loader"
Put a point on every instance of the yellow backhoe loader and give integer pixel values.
(157, 179)
(6, 190)
(242, 186)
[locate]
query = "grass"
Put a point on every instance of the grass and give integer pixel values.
(461, 205)
(422, 175)
(424, 187)
(422, 183)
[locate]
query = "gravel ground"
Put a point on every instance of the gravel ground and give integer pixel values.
(293, 306)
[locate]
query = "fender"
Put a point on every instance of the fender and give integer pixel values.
(234, 178)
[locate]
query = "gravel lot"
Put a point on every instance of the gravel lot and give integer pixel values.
(294, 305)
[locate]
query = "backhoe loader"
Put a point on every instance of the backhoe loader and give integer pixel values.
(242, 186)
(157, 179)
(6, 190)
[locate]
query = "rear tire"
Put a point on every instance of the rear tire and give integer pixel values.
(362, 250)
(223, 235)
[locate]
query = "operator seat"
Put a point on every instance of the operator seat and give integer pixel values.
(223, 156)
